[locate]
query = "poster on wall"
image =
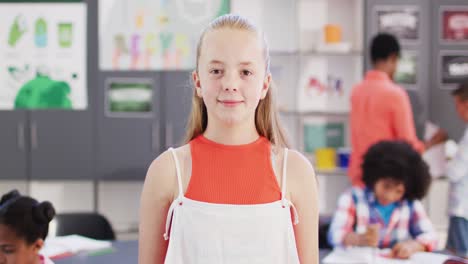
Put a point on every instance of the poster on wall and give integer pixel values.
(325, 84)
(153, 35)
(407, 69)
(43, 56)
(454, 24)
(129, 97)
(453, 68)
(401, 21)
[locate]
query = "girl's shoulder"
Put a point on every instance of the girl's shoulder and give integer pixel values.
(162, 173)
(299, 168)
(165, 162)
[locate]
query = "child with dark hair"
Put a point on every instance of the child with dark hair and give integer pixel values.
(387, 212)
(457, 172)
(24, 224)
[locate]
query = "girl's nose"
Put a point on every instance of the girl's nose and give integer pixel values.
(230, 82)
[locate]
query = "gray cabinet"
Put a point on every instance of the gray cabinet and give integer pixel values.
(46, 144)
(13, 145)
(61, 144)
(178, 92)
(127, 143)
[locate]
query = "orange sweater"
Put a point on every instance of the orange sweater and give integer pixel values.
(237, 174)
(380, 110)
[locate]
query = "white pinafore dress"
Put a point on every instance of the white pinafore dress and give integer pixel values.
(210, 233)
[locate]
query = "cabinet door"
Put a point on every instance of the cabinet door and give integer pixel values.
(13, 145)
(127, 141)
(61, 144)
(178, 93)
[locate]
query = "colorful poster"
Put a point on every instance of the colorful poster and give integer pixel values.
(401, 21)
(407, 69)
(454, 68)
(455, 24)
(129, 97)
(153, 34)
(43, 56)
(325, 83)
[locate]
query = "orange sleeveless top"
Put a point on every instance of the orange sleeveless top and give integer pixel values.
(232, 174)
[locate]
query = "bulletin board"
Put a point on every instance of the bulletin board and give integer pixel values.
(43, 56)
(153, 35)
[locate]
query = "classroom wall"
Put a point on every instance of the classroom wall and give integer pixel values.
(441, 107)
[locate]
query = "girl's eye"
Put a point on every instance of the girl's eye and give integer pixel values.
(7, 250)
(215, 71)
(246, 72)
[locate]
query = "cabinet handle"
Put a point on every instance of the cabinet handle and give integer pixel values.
(20, 136)
(154, 136)
(169, 137)
(34, 143)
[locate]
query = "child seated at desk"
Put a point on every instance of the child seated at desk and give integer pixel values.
(24, 224)
(387, 212)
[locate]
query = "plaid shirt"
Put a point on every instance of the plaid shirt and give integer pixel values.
(408, 220)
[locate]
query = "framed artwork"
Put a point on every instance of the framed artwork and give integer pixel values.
(407, 69)
(401, 21)
(453, 68)
(129, 97)
(454, 24)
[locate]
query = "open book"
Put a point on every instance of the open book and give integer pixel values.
(62, 246)
(364, 255)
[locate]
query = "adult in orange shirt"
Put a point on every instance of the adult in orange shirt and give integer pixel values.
(380, 109)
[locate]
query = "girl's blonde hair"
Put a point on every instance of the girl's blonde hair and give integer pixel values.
(266, 116)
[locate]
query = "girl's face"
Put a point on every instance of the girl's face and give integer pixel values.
(14, 250)
(231, 76)
(388, 191)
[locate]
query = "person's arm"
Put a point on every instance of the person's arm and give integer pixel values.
(156, 197)
(403, 123)
(421, 228)
(341, 231)
(422, 232)
(302, 186)
(457, 168)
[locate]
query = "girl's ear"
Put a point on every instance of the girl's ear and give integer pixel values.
(38, 245)
(266, 85)
(196, 83)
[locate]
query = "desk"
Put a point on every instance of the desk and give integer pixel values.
(125, 252)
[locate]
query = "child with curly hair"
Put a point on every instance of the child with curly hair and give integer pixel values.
(387, 212)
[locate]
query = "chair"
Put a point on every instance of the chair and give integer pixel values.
(92, 225)
(324, 225)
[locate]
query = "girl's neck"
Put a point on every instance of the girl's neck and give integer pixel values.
(231, 134)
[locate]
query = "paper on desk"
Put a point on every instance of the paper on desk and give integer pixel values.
(72, 244)
(429, 130)
(362, 255)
